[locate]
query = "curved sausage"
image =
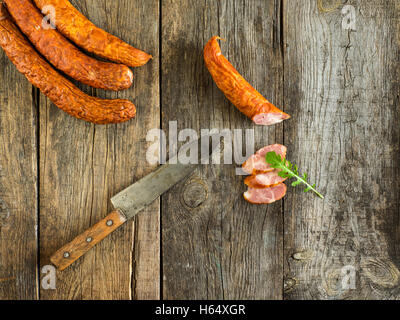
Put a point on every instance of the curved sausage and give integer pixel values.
(265, 195)
(264, 180)
(75, 26)
(247, 99)
(65, 56)
(59, 90)
(257, 163)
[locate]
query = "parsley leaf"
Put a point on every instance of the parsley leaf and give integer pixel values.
(290, 170)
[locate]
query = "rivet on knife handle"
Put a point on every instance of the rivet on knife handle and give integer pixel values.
(71, 252)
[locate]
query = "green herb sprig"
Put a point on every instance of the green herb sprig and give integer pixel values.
(289, 170)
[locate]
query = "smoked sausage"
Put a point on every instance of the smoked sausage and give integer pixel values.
(75, 26)
(59, 90)
(257, 163)
(264, 180)
(265, 195)
(63, 54)
(247, 99)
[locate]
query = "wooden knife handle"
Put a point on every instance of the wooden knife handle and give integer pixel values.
(72, 251)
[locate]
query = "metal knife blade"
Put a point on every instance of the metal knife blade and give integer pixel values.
(139, 195)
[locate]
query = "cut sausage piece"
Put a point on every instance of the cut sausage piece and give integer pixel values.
(265, 195)
(264, 180)
(61, 91)
(247, 99)
(75, 26)
(63, 54)
(257, 164)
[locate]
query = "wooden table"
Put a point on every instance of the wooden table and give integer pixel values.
(202, 240)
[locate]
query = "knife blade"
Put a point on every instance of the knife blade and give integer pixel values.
(139, 195)
(129, 202)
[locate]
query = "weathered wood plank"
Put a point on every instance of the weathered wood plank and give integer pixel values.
(340, 86)
(342, 89)
(83, 165)
(215, 245)
(18, 185)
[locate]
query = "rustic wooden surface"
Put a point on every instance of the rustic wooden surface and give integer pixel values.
(225, 247)
(18, 186)
(82, 166)
(341, 88)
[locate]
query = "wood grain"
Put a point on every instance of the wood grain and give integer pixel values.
(18, 185)
(342, 87)
(214, 244)
(82, 166)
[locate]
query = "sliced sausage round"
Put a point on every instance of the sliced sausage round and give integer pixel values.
(264, 180)
(265, 195)
(257, 163)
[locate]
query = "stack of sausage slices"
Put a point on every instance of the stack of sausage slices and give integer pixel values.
(54, 45)
(265, 186)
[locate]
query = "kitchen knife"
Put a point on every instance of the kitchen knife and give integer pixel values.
(132, 200)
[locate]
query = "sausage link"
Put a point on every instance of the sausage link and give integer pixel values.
(64, 55)
(75, 26)
(247, 99)
(59, 90)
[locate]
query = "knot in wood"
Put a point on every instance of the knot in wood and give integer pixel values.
(194, 194)
(4, 212)
(289, 284)
(381, 272)
(303, 255)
